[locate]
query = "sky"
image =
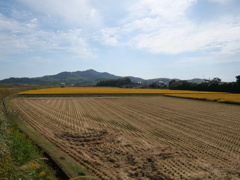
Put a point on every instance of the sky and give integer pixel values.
(149, 39)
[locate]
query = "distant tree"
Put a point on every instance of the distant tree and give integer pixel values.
(238, 79)
(172, 81)
(114, 82)
(154, 85)
(211, 85)
(124, 81)
(216, 80)
(172, 84)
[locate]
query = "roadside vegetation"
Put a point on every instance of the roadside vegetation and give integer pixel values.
(19, 157)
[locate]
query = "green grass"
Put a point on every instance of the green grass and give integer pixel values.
(19, 157)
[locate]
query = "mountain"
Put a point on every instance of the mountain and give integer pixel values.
(88, 77)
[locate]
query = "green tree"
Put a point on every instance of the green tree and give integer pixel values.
(238, 79)
(216, 80)
(115, 82)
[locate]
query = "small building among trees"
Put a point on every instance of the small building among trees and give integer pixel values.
(62, 85)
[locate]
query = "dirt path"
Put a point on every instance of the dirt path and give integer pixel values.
(141, 137)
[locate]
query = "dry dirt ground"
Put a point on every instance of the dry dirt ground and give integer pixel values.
(140, 137)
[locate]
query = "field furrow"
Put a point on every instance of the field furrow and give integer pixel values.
(140, 137)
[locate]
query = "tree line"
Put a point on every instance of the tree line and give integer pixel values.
(115, 82)
(209, 85)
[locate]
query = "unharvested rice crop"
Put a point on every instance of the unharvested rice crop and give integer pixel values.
(203, 95)
(102, 90)
(129, 138)
(223, 97)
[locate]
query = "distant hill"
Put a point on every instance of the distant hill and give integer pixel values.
(196, 80)
(85, 78)
(158, 79)
(88, 77)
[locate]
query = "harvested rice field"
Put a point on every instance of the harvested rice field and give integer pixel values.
(145, 138)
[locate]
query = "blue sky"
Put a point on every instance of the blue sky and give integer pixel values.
(144, 38)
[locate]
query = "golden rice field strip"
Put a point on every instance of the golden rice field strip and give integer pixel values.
(106, 90)
(163, 139)
(224, 97)
(203, 95)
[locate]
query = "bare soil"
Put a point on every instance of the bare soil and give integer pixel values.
(145, 138)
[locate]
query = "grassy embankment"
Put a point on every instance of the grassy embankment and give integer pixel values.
(19, 157)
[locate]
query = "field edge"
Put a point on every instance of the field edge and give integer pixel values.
(70, 167)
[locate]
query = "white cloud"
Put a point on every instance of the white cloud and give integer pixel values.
(11, 43)
(160, 27)
(170, 10)
(165, 28)
(36, 61)
(166, 10)
(188, 38)
(74, 12)
(32, 23)
(146, 24)
(109, 36)
(7, 24)
(34, 20)
(19, 37)
(74, 41)
(93, 13)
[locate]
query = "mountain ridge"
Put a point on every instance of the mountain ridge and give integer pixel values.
(87, 77)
